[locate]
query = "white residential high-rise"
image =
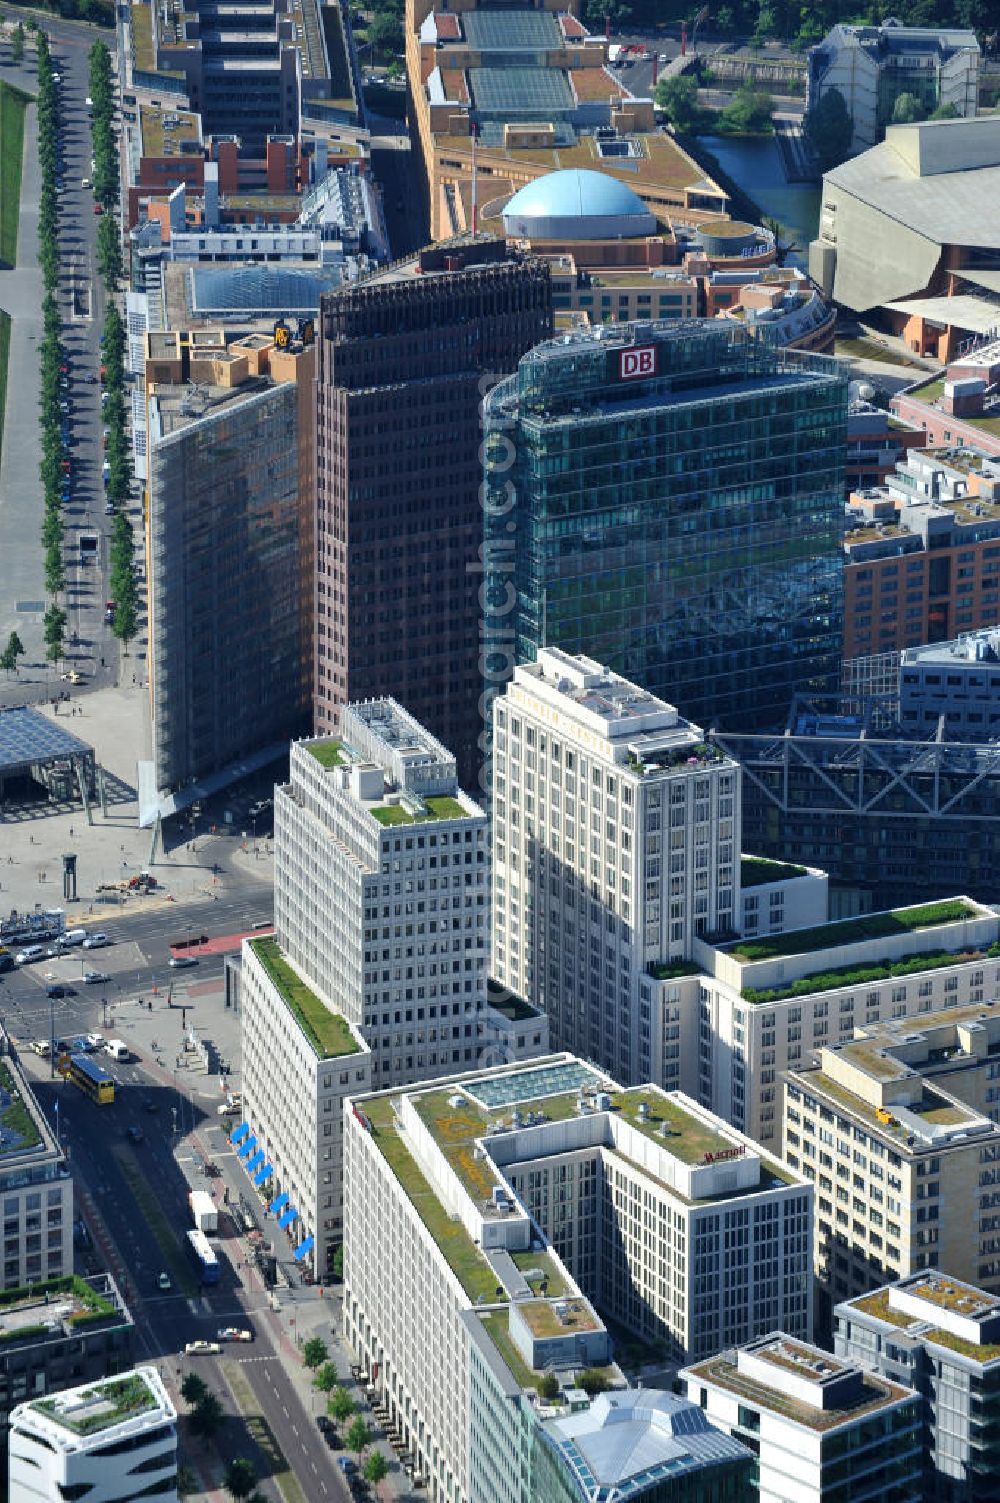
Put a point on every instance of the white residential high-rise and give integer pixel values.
(377, 972)
(615, 842)
(490, 1218)
(112, 1441)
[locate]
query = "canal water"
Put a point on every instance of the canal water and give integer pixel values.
(754, 163)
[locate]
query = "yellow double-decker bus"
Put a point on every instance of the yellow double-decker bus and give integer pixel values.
(92, 1079)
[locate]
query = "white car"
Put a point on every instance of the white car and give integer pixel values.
(33, 952)
(85, 182)
(202, 1349)
(96, 942)
(180, 962)
(95, 1040)
(71, 937)
(96, 978)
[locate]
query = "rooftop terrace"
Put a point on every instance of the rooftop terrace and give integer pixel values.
(87, 1411)
(18, 1129)
(65, 1305)
(327, 1032)
(872, 1394)
(854, 931)
(879, 1306)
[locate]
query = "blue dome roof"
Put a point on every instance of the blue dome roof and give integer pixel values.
(574, 202)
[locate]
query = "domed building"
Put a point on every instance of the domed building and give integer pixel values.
(576, 204)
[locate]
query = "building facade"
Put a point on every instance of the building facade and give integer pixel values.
(509, 1207)
(666, 498)
(872, 66)
(820, 1427)
(901, 1170)
(229, 544)
(405, 361)
(114, 1441)
(941, 1337)
(615, 841)
(922, 554)
(35, 1186)
(958, 682)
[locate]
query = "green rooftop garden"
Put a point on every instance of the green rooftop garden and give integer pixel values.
(687, 1138)
(497, 1327)
(438, 807)
(15, 1118)
(460, 1252)
(672, 970)
(327, 753)
(853, 931)
(327, 1032)
(90, 1306)
(106, 1403)
(538, 1267)
(756, 870)
(861, 975)
(877, 1304)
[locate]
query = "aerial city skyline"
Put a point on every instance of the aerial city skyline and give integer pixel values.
(499, 778)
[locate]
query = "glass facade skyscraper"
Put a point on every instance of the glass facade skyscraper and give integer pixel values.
(668, 499)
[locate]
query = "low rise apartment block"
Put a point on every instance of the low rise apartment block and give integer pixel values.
(509, 1208)
(820, 1426)
(941, 1337)
(904, 1172)
(114, 1441)
(957, 682)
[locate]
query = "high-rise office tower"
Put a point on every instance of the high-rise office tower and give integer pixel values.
(667, 498)
(616, 840)
(405, 360)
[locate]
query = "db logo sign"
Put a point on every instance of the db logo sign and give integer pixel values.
(633, 364)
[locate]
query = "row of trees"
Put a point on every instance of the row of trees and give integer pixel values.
(341, 1407)
(123, 583)
(102, 128)
(54, 464)
(239, 1479)
(748, 113)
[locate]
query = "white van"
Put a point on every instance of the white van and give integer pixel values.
(117, 1048)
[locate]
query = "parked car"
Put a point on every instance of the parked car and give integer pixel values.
(71, 937)
(202, 1349)
(98, 208)
(96, 941)
(96, 978)
(85, 182)
(54, 989)
(95, 1040)
(180, 962)
(33, 952)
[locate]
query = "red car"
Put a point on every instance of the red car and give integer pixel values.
(98, 208)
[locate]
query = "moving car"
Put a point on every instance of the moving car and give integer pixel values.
(163, 1282)
(179, 962)
(202, 1349)
(55, 989)
(96, 942)
(71, 937)
(233, 1333)
(96, 978)
(95, 1040)
(72, 677)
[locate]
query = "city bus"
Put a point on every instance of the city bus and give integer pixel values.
(203, 1257)
(92, 1079)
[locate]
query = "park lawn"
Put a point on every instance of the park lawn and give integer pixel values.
(12, 107)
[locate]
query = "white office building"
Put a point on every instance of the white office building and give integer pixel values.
(821, 1427)
(36, 1189)
(376, 974)
(615, 842)
(489, 1217)
(112, 1441)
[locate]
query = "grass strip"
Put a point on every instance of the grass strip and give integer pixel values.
(12, 107)
(157, 1222)
(4, 353)
(247, 1403)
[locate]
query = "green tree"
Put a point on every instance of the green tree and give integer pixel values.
(239, 1478)
(907, 109)
(206, 1417)
(11, 653)
(126, 622)
(358, 1436)
(548, 1386)
(592, 1382)
(314, 1353)
(187, 1482)
(375, 1468)
(326, 1378)
(385, 32)
(749, 111)
(678, 99)
(55, 575)
(193, 1389)
(109, 252)
(946, 111)
(17, 45)
(54, 630)
(341, 1405)
(337, 1266)
(829, 129)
